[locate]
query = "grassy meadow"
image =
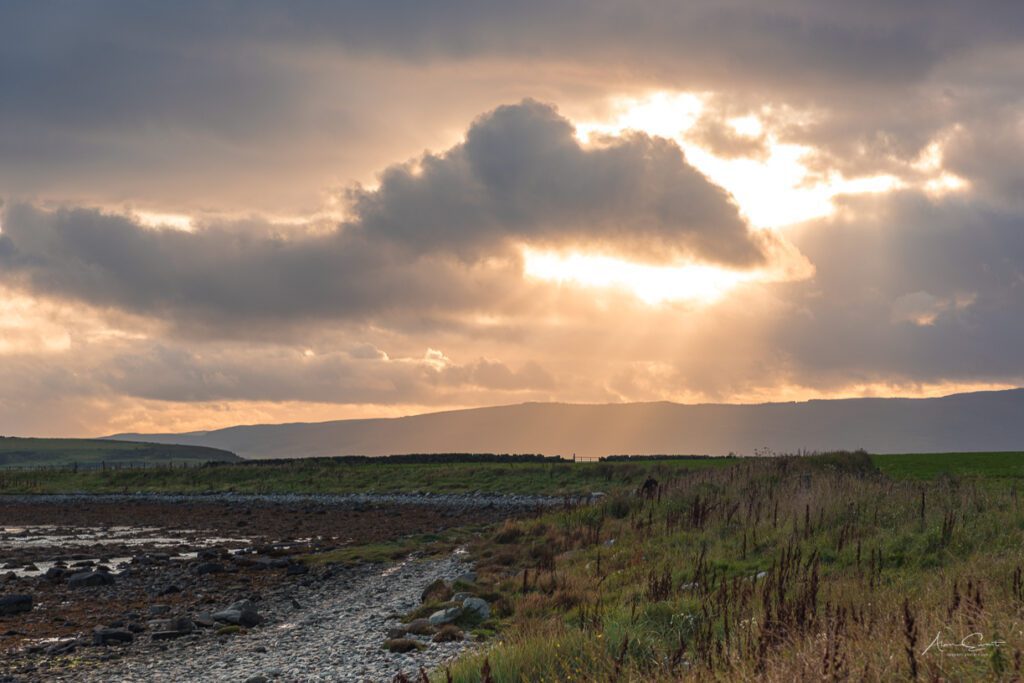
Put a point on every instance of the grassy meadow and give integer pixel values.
(323, 475)
(781, 569)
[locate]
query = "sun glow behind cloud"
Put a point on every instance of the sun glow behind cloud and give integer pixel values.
(772, 190)
(652, 284)
(691, 283)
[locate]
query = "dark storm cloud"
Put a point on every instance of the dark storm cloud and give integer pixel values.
(158, 101)
(416, 243)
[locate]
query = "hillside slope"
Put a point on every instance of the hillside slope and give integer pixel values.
(981, 421)
(15, 451)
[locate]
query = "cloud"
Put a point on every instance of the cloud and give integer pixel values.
(950, 266)
(264, 109)
(438, 236)
(522, 176)
(197, 105)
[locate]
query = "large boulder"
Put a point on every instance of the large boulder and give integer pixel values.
(445, 616)
(15, 604)
(90, 578)
(466, 577)
(477, 607)
(55, 574)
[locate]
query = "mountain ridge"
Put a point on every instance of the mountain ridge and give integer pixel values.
(976, 421)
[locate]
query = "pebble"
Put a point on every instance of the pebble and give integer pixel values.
(336, 635)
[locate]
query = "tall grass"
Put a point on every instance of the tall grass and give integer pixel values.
(779, 569)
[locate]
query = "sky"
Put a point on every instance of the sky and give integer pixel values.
(241, 212)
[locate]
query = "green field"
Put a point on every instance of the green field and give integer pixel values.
(328, 476)
(323, 475)
(90, 453)
(931, 465)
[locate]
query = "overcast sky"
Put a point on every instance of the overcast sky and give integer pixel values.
(238, 212)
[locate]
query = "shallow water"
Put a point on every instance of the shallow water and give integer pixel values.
(66, 541)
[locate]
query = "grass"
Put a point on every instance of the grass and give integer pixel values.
(328, 476)
(932, 465)
(425, 545)
(91, 453)
(779, 569)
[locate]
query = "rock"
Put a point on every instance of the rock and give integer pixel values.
(259, 649)
(62, 647)
(55, 574)
(397, 632)
(449, 633)
(437, 591)
(158, 610)
(90, 578)
(167, 635)
(477, 607)
(257, 679)
(181, 625)
(15, 604)
(466, 577)
(110, 636)
(168, 590)
(401, 645)
(204, 619)
(241, 613)
(208, 568)
(271, 563)
(420, 627)
(297, 569)
(445, 616)
(459, 597)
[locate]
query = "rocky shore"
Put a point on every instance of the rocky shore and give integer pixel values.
(142, 587)
(331, 629)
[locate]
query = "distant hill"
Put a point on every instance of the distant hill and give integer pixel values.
(982, 421)
(15, 451)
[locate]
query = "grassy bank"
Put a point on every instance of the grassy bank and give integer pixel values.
(327, 476)
(775, 569)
